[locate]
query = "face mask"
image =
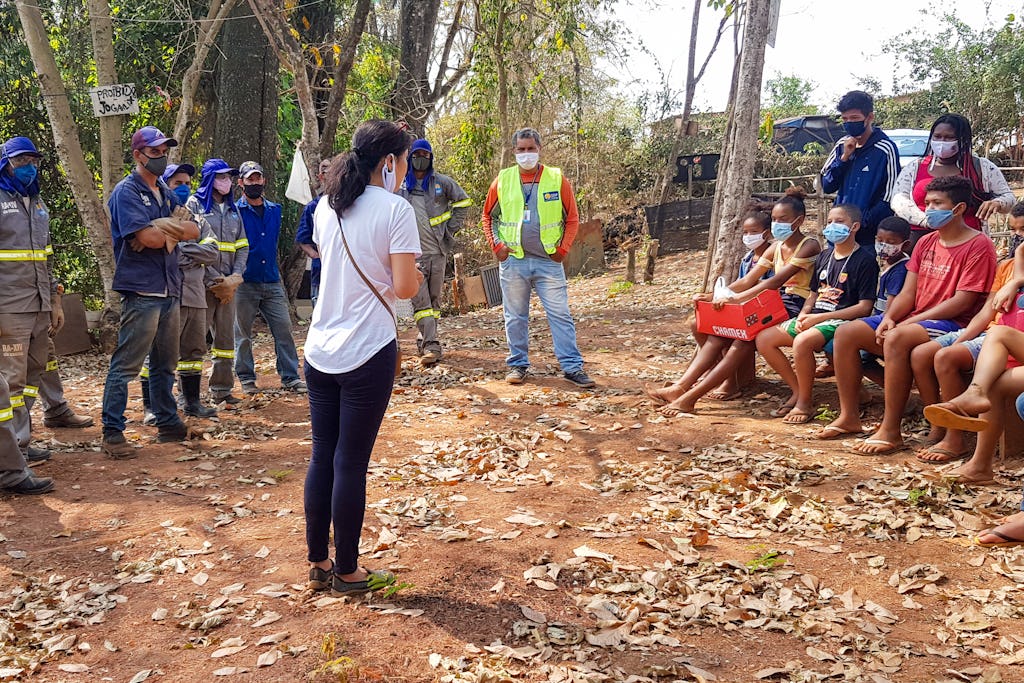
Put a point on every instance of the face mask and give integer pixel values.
(183, 192)
(420, 163)
(252, 191)
(527, 160)
(753, 241)
(26, 175)
(1014, 243)
(944, 149)
(781, 231)
(222, 185)
(836, 232)
(855, 128)
(388, 175)
(156, 166)
(886, 251)
(936, 218)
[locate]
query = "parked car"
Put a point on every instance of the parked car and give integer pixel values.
(912, 144)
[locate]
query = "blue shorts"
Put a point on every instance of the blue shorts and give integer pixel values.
(972, 345)
(935, 328)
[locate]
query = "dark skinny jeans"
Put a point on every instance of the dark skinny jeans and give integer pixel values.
(346, 411)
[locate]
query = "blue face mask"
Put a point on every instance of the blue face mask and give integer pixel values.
(836, 232)
(781, 231)
(936, 218)
(26, 175)
(855, 128)
(182, 192)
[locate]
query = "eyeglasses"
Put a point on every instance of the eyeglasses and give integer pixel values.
(24, 160)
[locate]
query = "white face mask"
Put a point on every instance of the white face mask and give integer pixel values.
(388, 175)
(753, 241)
(943, 149)
(527, 160)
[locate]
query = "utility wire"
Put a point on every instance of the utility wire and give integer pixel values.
(170, 20)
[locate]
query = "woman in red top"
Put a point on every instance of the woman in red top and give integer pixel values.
(950, 144)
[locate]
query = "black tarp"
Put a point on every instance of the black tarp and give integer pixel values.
(795, 133)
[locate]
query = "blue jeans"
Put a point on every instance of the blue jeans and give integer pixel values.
(518, 278)
(149, 325)
(345, 411)
(270, 301)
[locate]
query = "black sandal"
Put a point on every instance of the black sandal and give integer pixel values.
(375, 580)
(320, 579)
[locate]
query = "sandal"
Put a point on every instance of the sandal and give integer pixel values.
(951, 416)
(320, 579)
(375, 580)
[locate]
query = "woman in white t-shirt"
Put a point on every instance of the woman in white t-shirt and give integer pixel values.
(351, 347)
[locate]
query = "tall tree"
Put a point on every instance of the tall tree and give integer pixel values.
(111, 151)
(735, 183)
(69, 147)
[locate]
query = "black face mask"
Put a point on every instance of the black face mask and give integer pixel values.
(156, 166)
(253, 191)
(1014, 243)
(420, 163)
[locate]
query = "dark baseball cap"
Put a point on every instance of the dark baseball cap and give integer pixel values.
(179, 168)
(248, 168)
(151, 136)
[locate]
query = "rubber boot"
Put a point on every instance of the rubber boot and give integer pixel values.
(148, 418)
(193, 404)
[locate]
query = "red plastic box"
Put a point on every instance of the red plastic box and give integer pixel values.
(742, 321)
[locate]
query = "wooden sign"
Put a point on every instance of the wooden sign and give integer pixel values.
(114, 100)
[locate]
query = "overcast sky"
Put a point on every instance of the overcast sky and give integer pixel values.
(828, 42)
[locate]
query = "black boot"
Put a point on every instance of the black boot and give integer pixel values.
(148, 418)
(190, 390)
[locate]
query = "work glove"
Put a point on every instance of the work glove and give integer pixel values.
(224, 288)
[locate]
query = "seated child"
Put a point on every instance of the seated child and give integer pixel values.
(843, 288)
(948, 276)
(791, 257)
(955, 354)
(892, 242)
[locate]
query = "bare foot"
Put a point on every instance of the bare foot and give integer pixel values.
(800, 414)
(972, 402)
(950, 448)
(826, 369)
(664, 394)
(972, 472)
(1006, 534)
(880, 443)
(784, 409)
(841, 427)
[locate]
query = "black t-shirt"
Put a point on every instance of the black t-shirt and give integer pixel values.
(841, 283)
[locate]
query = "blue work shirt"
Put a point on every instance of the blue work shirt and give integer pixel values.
(133, 206)
(262, 234)
(304, 235)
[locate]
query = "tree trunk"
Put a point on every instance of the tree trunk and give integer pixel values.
(69, 147)
(209, 28)
(111, 151)
(497, 52)
(725, 249)
(342, 68)
(416, 26)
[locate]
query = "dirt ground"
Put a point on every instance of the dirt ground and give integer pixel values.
(540, 533)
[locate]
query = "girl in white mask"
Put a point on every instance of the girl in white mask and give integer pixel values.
(949, 154)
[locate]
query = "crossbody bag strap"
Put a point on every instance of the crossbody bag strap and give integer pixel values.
(365, 279)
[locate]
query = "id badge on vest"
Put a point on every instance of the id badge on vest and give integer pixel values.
(526, 214)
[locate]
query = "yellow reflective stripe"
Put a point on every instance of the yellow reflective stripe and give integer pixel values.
(440, 219)
(420, 315)
(51, 365)
(6, 414)
(190, 365)
(463, 202)
(437, 314)
(30, 391)
(227, 246)
(222, 353)
(242, 243)
(25, 254)
(209, 240)
(17, 401)
(49, 249)
(144, 374)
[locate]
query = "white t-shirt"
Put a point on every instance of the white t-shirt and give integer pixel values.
(349, 324)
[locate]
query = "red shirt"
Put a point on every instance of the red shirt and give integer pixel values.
(944, 271)
(924, 176)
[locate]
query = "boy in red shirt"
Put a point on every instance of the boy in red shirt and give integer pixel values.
(948, 278)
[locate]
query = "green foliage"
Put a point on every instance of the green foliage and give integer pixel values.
(766, 562)
(787, 96)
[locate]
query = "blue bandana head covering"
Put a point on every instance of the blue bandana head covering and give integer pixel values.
(210, 170)
(410, 176)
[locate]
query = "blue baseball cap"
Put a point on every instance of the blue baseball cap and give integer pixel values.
(214, 166)
(20, 145)
(151, 136)
(178, 168)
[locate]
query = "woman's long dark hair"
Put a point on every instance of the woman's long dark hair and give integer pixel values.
(350, 173)
(965, 155)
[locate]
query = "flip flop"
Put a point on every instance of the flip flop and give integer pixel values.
(722, 396)
(1007, 541)
(947, 455)
(797, 417)
(949, 416)
(781, 411)
(970, 481)
(889, 450)
(823, 371)
(831, 432)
